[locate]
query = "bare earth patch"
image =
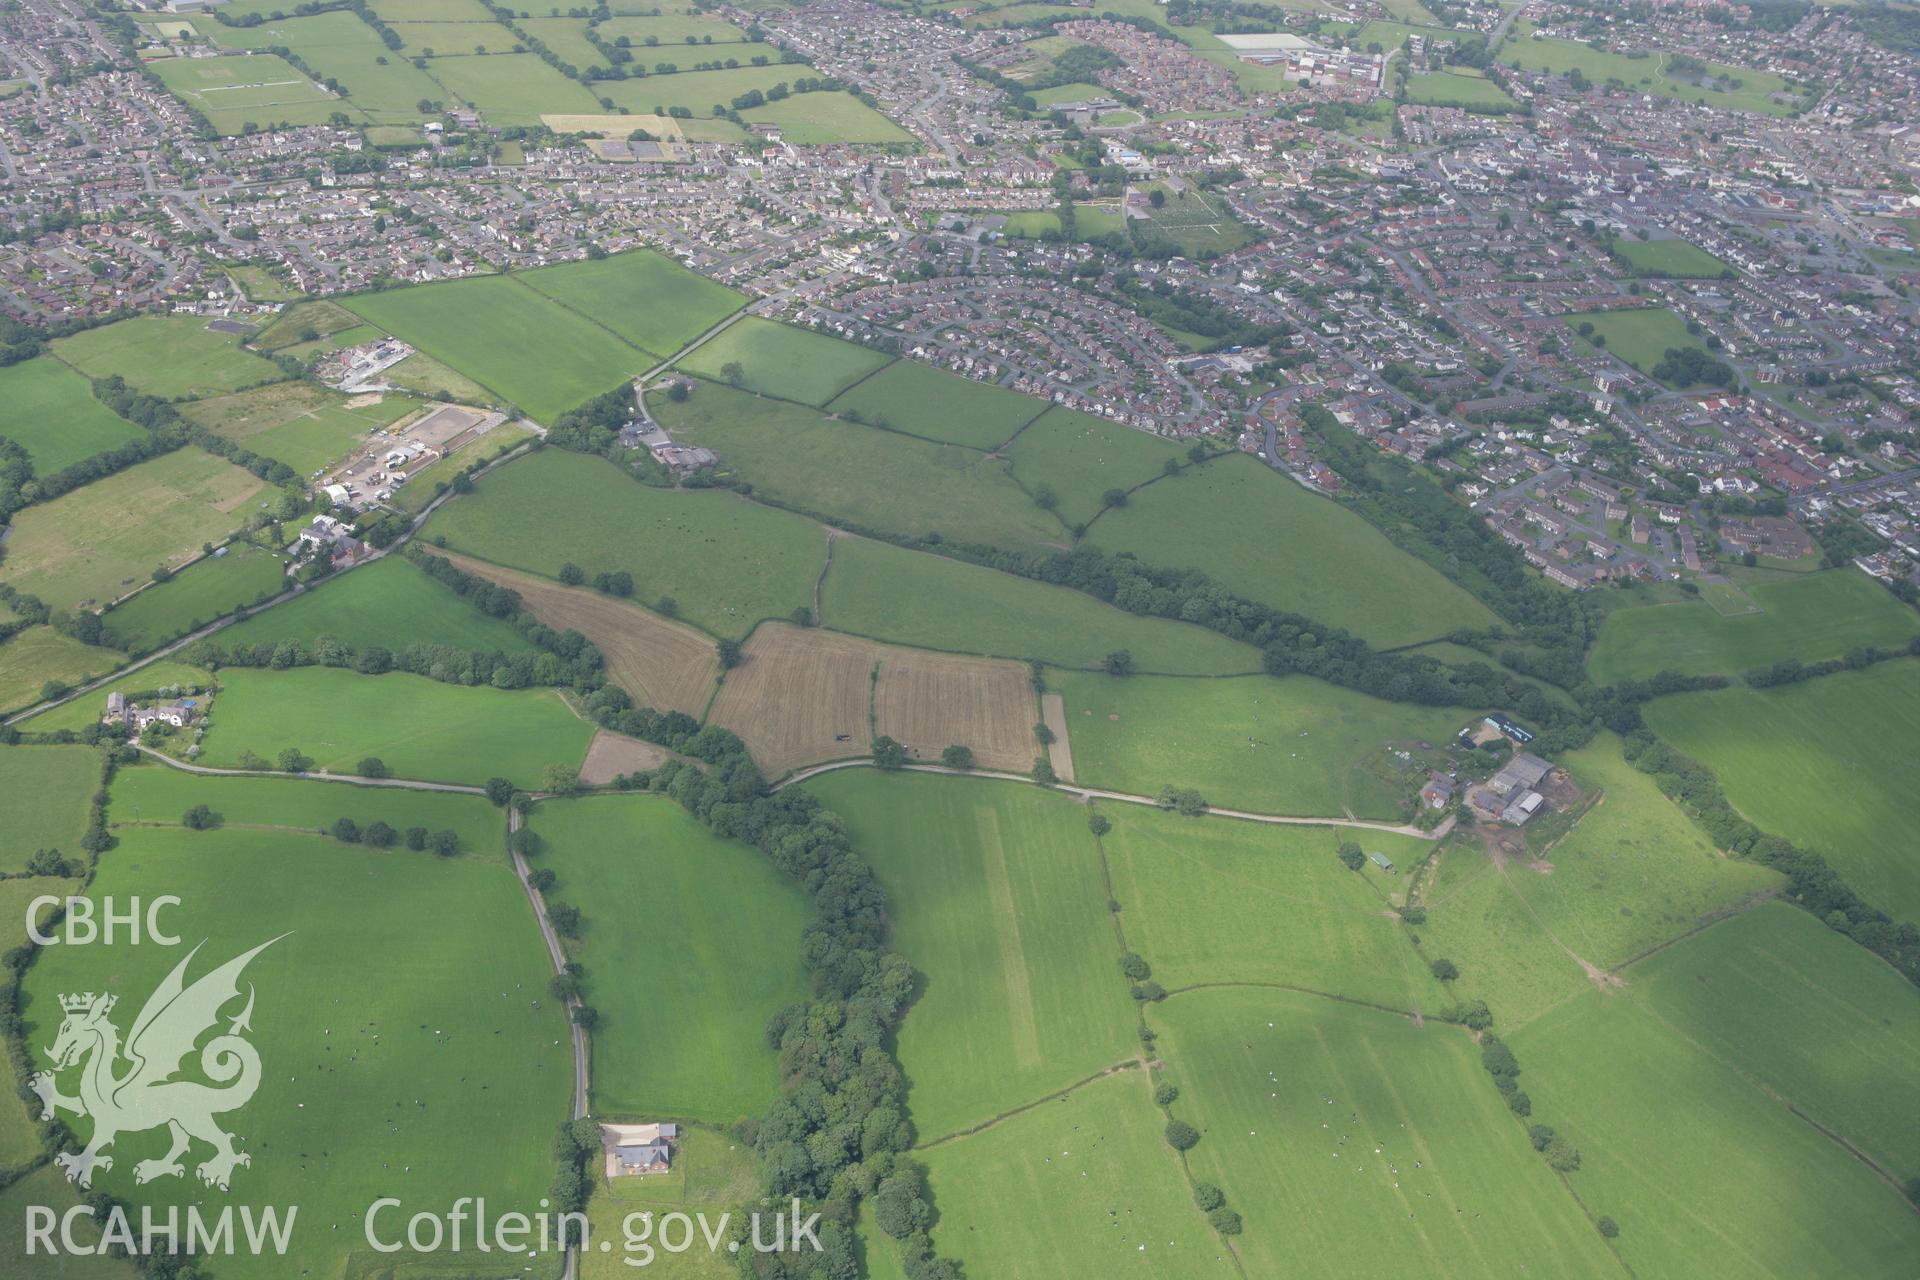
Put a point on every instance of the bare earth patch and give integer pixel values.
(660, 663)
(612, 754)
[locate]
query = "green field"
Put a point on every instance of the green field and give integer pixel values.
(1220, 901)
(1080, 457)
(339, 45)
(713, 1171)
(1199, 225)
(45, 1188)
(1670, 257)
(1809, 618)
(1707, 1173)
(96, 543)
(684, 992)
(818, 119)
(650, 300)
(1807, 1014)
(1079, 1189)
(669, 28)
(1645, 74)
(153, 794)
(1642, 336)
(783, 360)
(240, 89)
(206, 590)
(419, 727)
(51, 413)
(299, 423)
(1832, 764)
(506, 336)
(388, 603)
(166, 356)
(31, 658)
(1348, 1133)
(860, 476)
(78, 713)
(48, 788)
(729, 563)
(931, 602)
(1294, 746)
(924, 401)
(996, 894)
(1262, 536)
(1452, 89)
(407, 1044)
(510, 89)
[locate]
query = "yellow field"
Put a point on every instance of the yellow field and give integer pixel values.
(613, 754)
(660, 663)
(803, 696)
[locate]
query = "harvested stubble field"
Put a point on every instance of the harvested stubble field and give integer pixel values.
(801, 695)
(612, 754)
(662, 664)
(804, 695)
(930, 701)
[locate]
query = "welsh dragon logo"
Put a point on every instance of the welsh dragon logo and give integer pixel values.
(147, 1094)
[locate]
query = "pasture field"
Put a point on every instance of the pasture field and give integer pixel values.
(511, 88)
(661, 663)
(911, 597)
(305, 426)
(1671, 257)
(291, 327)
(1215, 900)
(1083, 1188)
(424, 376)
(19, 1126)
(784, 360)
(1706, 1173)
(714, 1172)
(1452, 89)
(51, 413)
(432, 11)
(1812, 617)
(235, 90)
(670, 29)
(566, 37)
(1261, 535)
(647, 298)
(1642, 336)
(1805, 1013)
(698, 91)
(386, 1028)
(820, 118)
(206, 590)
(30, 658)
(1646, 73)
(339, 45)
(1080, 457)
(683, 1034)
(800, 696)
(1343, 1132)
(508, 337)
(932, 403)
(930, 701)
(1476, 919)
(453, 39)
(46, 1188)
(728, 562)
(1078, 91)
(419, 727)
(1293, 746)
(98, 542)
(48, 788)
(166, 356)
(1832, 764)
(151, 794)
(995, 891)
(389, 603)
(79, 713)
(841, 471)
(1634, 872)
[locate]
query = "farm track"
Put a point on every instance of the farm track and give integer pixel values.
(1096, 793)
